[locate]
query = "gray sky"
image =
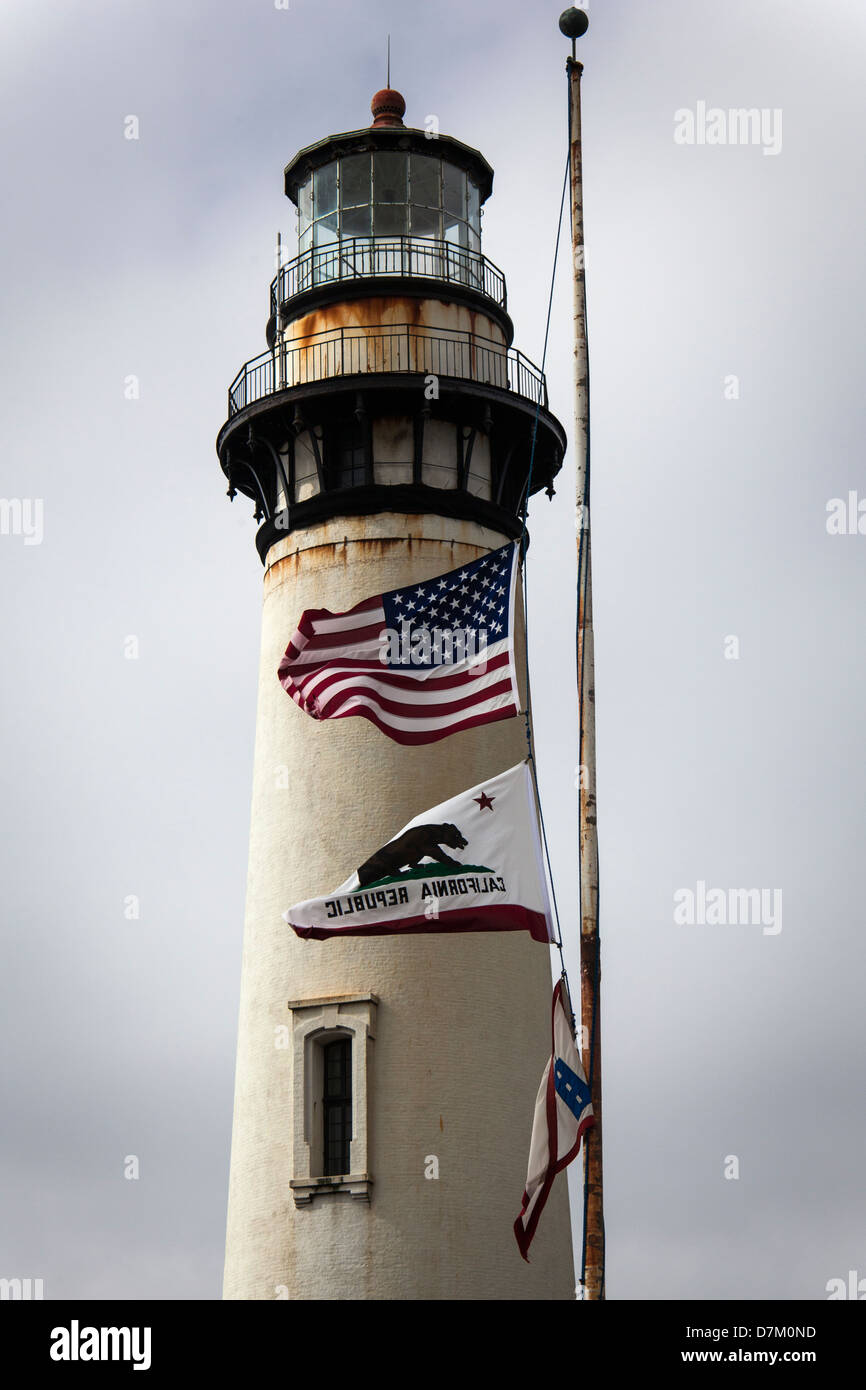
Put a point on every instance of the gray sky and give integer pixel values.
(121, 777)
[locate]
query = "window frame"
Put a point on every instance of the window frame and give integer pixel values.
(315, 1023)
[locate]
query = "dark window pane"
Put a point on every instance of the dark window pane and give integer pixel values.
(425, 175)
(426, 222)
(455, 190)
(337, 1107)
(355, 180)
(348, 467)
(336, 1079)
(390, 177)
(352, 475)
(390, 220)
(325, 190)
(356, 222)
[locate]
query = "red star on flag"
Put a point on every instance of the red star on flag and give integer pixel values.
(485, 801)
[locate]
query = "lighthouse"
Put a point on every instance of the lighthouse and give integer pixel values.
(384, 1086)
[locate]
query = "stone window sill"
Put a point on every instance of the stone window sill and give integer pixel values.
(355, 1185)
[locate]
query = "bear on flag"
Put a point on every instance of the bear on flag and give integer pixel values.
(420, 662)
(563, 1113)
(416, 883)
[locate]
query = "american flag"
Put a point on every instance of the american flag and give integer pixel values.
(563, 1114)
(420, 662)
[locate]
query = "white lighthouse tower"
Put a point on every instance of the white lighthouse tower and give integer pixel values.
(385, 1085)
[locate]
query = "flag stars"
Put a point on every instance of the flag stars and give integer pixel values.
(465, 601)
(485, 801)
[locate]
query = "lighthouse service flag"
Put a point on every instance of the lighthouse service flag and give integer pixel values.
(563, 1113)
(470, 864)
(419, 662)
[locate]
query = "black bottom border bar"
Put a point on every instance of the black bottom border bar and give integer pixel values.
(162, 1339)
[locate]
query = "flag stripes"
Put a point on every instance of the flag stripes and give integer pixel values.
(341, 664)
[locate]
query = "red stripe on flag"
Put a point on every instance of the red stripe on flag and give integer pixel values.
(500, 917)
(327, 709)
(408, 737)
(435, 680)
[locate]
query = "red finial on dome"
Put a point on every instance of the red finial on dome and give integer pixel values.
(388, 108)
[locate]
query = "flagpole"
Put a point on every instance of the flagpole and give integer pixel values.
(574, 23)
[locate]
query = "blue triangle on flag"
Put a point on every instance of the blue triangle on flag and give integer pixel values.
(570, 1088)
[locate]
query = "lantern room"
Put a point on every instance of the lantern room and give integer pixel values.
(390, 383)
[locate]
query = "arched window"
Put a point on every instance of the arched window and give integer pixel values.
(332, 1039)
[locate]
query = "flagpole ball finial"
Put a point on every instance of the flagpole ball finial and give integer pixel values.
(573, 23)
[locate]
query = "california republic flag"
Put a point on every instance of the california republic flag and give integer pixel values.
(471, 864)
(563, 1113)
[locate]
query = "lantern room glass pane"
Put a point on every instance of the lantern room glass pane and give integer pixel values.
(355, 222)
(390, 177)
(390, 220)
(425, 222)
(425, 175)
(473, 206)
(454, 190)
(355, 180)
(325, 230)
(456, 232)
(325, 190)
(305, 204)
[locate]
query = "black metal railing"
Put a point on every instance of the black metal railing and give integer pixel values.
(386, 348)
(411, 257)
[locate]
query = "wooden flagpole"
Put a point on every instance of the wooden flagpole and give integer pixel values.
(574, 24)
